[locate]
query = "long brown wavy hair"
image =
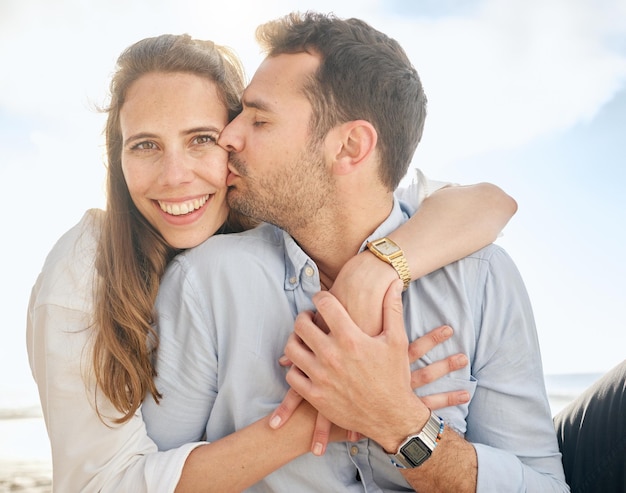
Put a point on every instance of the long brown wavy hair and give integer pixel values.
(132, 255)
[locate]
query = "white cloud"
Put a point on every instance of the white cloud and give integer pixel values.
(514, 71)
(60, 54)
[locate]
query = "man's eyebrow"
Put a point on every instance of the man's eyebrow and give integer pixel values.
(256, 104)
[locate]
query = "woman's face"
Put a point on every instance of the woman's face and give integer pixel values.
(174, 169)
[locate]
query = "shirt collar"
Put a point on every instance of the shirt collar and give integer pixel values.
(296, 259)
(399, 214)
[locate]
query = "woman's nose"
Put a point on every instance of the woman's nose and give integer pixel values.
(176, 168)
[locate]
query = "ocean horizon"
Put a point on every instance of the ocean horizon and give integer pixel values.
(26, 466)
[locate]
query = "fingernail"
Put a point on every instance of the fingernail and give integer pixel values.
(446, 331)
(275, 422)
(461, 360)
(283, 360)
(317, 448)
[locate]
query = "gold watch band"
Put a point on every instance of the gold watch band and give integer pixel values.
(402, 268)
(388, 251)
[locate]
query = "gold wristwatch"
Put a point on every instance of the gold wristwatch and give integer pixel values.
(388, 251)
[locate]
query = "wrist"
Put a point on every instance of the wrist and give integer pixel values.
(408, 420)
(300, 428)
(382, 271)
(417, 448)
(391, 253)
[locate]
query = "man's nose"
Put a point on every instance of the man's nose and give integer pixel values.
(230, 138)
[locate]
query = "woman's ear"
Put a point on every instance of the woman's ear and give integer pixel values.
(351, 144)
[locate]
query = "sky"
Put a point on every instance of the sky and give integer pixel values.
(527, 94)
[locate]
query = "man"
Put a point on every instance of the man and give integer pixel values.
(329, 125)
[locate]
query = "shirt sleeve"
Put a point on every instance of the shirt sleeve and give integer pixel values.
(88, 453)
(419, 189)
(509, 420)
(186, 361)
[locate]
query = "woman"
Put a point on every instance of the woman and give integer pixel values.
(90, 335)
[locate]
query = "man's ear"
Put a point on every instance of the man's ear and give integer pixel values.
(351, 145)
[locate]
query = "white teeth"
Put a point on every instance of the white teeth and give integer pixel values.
(184, 208)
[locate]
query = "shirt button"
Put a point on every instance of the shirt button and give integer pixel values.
(293, 280)
(354, 450)
(309, 271)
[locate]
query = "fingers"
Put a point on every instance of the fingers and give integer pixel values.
(298, 381)
(438, 369)
(445, 399)
(331, 314)
(422, 345)
(338, 321)
(321, 435)
(393, 317)
(354, 436)
(286, 408)
(297, 348)
(320, 322)
(284, 361)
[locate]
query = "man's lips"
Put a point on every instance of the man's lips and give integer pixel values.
(232, 176)
(232, 169)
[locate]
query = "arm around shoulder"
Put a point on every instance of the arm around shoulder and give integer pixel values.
(452, 223)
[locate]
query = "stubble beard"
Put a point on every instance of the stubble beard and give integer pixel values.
(236, 198)
(290, 199)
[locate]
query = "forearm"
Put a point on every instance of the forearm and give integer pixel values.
(243, 458)
(440, 473)
(452, 223)
(453, 463)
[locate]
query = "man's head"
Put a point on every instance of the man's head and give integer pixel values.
(363, 75)
(324, 80)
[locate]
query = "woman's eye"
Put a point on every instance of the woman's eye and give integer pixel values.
(258, 123)
(205, 139)
(144, 146)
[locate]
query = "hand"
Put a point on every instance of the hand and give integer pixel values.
(422, 376)
(305, 417)
(363, 305)
(341, 371)
(365, 308)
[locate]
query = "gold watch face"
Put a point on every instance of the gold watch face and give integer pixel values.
(387, 248)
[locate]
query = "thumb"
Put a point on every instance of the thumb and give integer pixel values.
(393, 317)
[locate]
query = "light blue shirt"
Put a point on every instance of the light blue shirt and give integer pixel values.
(225, 311)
